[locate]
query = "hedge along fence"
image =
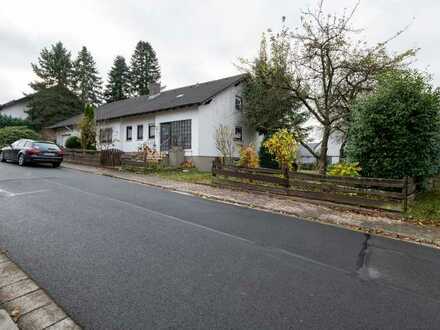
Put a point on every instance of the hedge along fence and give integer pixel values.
(384, 194)
(110, 157)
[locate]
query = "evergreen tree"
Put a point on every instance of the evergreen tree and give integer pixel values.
(86, 81)
(118, 87)
(144, 68)
(51, 105)
(88, 128)
(54, 68)
(268, 105)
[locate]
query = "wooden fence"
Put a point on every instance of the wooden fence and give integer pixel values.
(110, 157)
(385, 194)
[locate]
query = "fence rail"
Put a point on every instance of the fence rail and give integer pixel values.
(110, 157)
(385, 194)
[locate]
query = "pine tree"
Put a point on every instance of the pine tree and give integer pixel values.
(118, 87)
(86, 81)
(144, 68)
(51, 105)
(54, 68)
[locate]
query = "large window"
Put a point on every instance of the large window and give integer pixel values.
(129, 133)
(140, 132)
(106, 135)
(176, 133)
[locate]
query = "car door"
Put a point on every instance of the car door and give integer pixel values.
(16, 147)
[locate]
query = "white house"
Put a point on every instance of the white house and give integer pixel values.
(15, 108)
(67, 128)
(187, 117)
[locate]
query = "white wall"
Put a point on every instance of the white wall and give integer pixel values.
(62, 134)
(221, 111)
(134, 144)
(116, 139)
(15, 111)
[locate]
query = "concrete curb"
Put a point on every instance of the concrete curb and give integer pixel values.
(26, 303)
(364, 227)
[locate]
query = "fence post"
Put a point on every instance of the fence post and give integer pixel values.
(286, 176)
(405, 200)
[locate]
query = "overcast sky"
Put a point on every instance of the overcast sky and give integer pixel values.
(195, 40)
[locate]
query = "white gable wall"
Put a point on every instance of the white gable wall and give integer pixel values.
(15, 111)
(221, 111)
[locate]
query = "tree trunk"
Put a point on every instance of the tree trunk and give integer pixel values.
(323, 153)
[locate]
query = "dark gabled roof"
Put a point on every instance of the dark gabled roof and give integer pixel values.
(175, 98)
(14, 102)
(68, 122)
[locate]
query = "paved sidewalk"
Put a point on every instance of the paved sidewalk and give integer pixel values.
(29, 306)
(372, 222)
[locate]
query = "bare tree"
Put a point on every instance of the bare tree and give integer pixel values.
(329, 69)
(224, 141)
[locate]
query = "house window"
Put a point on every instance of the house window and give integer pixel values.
(176, 133)
(238, 103)
(106, 135)
(151, 131)
(129, 133)
(140, 132)
(238, 134)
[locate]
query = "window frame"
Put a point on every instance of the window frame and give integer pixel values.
(106, 135)
(151, 131)
(141, 127)
(127, 136)
(238, 103)
(238, 133)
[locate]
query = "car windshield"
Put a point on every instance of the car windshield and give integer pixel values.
(45, 146)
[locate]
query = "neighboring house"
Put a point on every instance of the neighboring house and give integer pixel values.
(187, 117)
(16, 108)
(66, 128)
(315, 136)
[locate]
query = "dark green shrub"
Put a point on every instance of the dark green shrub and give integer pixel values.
(7, 121)
(73, 142)
(11, 134)
(395, 132)
(267, 160)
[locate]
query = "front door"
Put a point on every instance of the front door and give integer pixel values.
(165, 136)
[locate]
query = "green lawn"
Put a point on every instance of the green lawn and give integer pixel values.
(190, 175)
(426, 208)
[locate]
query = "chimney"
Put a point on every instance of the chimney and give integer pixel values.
(154, 88)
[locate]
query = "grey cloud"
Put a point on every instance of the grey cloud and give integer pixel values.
(195, 40)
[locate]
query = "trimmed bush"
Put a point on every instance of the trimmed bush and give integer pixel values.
(73, 142)
(9, 135)
(395, 132)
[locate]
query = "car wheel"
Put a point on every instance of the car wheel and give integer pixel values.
(2, 158)
(55, 165)
(21, 161)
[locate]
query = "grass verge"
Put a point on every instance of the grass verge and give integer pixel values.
(426, 208)
(183, 175)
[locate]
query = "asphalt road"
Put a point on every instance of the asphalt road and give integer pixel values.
(118, 255)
